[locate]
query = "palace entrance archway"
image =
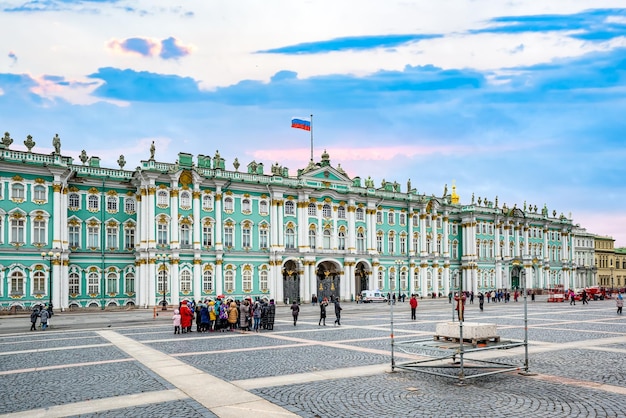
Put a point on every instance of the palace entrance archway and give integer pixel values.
(328, 280)
(291, 282)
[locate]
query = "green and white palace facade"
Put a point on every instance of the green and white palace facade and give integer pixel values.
(80, 235)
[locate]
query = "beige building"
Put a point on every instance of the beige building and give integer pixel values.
(620, 268)
(605, 261)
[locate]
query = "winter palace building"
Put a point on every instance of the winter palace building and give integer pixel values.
(80, 235)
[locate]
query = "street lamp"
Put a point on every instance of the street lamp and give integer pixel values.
(50, 255)
(163, 258)
(393, 360)
(399, 263)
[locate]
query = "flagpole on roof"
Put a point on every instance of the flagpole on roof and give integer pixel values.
(311, 137)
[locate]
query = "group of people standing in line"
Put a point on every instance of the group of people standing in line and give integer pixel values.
(224, 315)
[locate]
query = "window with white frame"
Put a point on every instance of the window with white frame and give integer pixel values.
(93, 236)
(429, 245)
(379, 243)
(246, 206)
(246, 238)
(379, 217)
(263, 280)
(74, 283)
(229, 204)
(391, 218)
(207, 202)
(403, 280)
(39, 283)
(129, 237)
(130, 205)
(312, 238)
(93, 283)
(112, 240)
(416, 281)
(185, 281)
(341, 240)
(73, 201)
(263, 207)
(228, 236)
(455, 250)
(185, 235)
(129, 283)
(326, 239)
(341, 212)
(163, 198)
(17, 283)
(290, 208)
(162, 233)
(207, 235)
(39, 232)
(416, 243)
(73, 236)
(17, 191)
(381, 280)
(402, 218)
(360, 216)
(391, 243)
(207, 281)
(111, 283)
(439, 222)
(17, 230)
(416, 221)
(402, 244)
(263, 240)
(428, 221)
(326, 211)
(290, 238)
(93, 203)
(312, 209)
(112, 204)
(246, 280)
(39, 193)
(185, 200)
(360, 241)
(229, 280)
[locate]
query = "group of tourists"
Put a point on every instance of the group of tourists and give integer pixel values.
(224, 315)
(43, 313)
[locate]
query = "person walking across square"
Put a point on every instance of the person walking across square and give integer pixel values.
(413, 304)
(338, 309)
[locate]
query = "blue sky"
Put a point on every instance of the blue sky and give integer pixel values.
(524, 101)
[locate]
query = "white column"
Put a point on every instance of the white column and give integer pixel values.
(319, 235)
(445, 244)
(219, 235)
(280, 222)
(174, 233)
(273, 225)
(423, 235)
(197, 222)
(219, 276)
(351, 226)
(174, 279)
(197, 279)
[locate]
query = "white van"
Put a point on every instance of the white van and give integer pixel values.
(368, 296)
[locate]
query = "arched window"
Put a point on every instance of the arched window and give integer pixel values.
(290, 238)
(229, 280)
(341, 212)
(162, 280)
(129, 283)
(185, 235)
(246, 280)
(359, 214)
(74, 284)
(379, 217)
(39, 193)
(207, 202)
(402, 219)
(290, 208)
(381, 280)
(163, 198)
(129, 205)
(17, 191)
(312, 238)
(112, 283)
(112, 204)
(326, 211)
(246, 206)
(341, 244)
(360, 241)
(73, 201)
(93, 203)
(312, 209)
(327, 239)
(229, 205)
(263, 207)
(263, 280)
(391, 243)
(93, 283)
(39, 283)
(207, 281)
(17, 283)
(185, 200)
(185, 281)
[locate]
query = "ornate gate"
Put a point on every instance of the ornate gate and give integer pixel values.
(328, 281)
(291, 283)
(361, 275)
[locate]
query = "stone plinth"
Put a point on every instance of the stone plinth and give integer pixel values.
(472, 331)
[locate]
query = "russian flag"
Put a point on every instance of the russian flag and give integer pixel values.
(301, 124)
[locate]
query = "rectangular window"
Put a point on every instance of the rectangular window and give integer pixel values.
(39, 232)
(228, 236)
(379, 243)
(93, 236)
(207, 233)
(74, 284)
(93, 284)
(111, 284)
(162, 234)
(74, 236)
(112, 237)
(17, 231)
(245, 238)
(129, 238)
(263, 242)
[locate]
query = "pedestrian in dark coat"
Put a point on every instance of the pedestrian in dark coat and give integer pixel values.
(323, 305)
(271, 314)
(295, 310)
(44, 318)
(33, 319)
(338, 309)
(481, 300)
